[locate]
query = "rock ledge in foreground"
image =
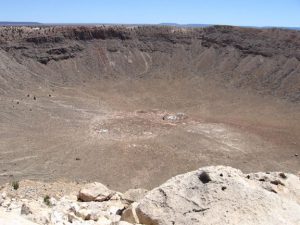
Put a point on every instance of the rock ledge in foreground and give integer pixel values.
(220, 195)
(211, 195)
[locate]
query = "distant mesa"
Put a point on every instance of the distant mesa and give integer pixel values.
(186, 25)
(9, 23)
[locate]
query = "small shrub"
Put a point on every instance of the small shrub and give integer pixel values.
(277, 182)
(283, 175)
(204, 177)
(15, 185)
(47, 200)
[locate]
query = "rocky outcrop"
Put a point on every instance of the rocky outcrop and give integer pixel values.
(66, 210)
(220, 195)
(210, 195)
(58, 53)
(264, 60)
(265, 42)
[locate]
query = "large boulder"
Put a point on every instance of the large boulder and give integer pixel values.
(220, 195)
(95, 192)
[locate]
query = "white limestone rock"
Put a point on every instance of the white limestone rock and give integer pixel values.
(95, 192)
(217, 195)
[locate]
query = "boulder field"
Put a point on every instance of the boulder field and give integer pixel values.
(209, 195)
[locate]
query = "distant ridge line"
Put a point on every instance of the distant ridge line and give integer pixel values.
(9, 23)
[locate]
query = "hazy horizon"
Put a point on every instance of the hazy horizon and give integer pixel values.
(191, 25)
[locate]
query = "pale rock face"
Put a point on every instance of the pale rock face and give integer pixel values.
(103, 221)
(221, 196)
(285, 185)
(3, 195)
(13, 219)
(42, 218)
(135, 195)
(6, 203)
(57, 217)
(37, 212)
(95, 192)
(74, 207)
(85, 214)
(130, 214)
(72, 218)
(25, 210)
(53, 201)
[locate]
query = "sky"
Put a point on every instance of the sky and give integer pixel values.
(283, 13)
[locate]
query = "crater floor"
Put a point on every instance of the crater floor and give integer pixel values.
(126, 134)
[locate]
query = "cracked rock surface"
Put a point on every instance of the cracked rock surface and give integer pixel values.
(227, 197)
